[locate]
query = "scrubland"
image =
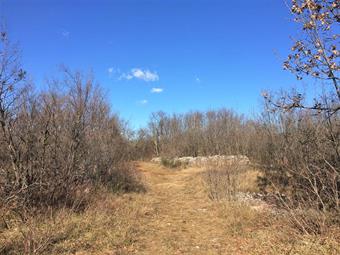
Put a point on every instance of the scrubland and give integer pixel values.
(75, 179)
(175, 215)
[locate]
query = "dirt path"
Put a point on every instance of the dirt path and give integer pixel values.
(178, 217)
(174, 216)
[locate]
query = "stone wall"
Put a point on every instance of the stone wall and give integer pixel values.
(205, 161)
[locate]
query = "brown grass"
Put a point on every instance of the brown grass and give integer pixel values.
(175, 216)
(226, 181)
(107, 225)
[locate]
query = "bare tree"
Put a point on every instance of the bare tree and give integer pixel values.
(12, 88)
(200, 133)
(57, 143)
(315, 54)
(300, 153)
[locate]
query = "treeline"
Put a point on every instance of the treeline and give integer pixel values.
(297, 150)
(215, 132)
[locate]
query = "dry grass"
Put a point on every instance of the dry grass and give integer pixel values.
(225, 181)
(248, 180)
(108, 225)
(175, 216)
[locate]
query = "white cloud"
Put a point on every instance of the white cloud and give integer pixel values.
(126, 76)
(143, 102)
(113, 71)
(110, 70)
(140, 74)
(198, 80)
(156, 90)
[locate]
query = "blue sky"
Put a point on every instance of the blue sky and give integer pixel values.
(152, 55)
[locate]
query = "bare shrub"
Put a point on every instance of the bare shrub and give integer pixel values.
(58, 143)
(121, 178)
(301, 154)
(220, 132)
(172, 163)
(142, 146)
(301, 166)
(223, 181)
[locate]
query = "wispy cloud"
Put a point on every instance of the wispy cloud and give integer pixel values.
(110, 70)
(198, 80)
(156, 90)
(113, 71)
(65, 33)
(143, 102)
(138, 73)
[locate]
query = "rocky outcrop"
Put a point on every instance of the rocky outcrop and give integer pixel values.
(204, 161)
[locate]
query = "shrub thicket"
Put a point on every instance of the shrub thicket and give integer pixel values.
(56, 145)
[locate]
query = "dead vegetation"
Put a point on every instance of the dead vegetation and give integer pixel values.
(301, 157)
(224, 181)
(58, 149)
(235, 187)
(58, 143)
(64, 158)
(175, 216)
(107, 226)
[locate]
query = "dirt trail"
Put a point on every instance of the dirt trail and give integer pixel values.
(178, 217)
